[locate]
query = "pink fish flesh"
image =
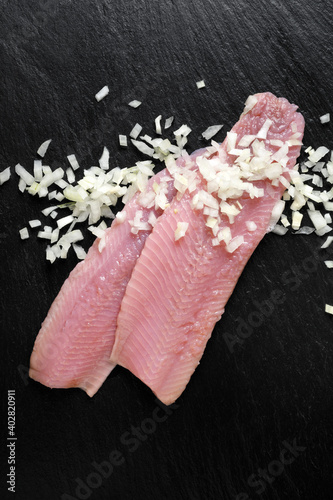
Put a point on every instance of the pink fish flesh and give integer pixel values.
(74, 344)
(178, 289)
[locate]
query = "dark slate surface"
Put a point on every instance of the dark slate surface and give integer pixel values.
(225, 437)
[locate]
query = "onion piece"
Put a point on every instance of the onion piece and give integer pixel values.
(136, 130)
(43, 148)
(102, 93)
(73, 161)
(80, 252)
(280, 230)
(168, 122)
(200, 84)
(234, 243)
(135, 103)
(5, 175)
(251, 225)
(158, 128)
(305, 230)
(24, 174)
(317, 219)
(325, 118)
(64, 221)
(328, 309)
(141, 146)
(276, 214)
(327, 243)
(123, 140)
(104, 159)
(262, 134)
(211, 131)
(180, 230)
(318, 154)
(296, 220)
(250, 102)
(24, 233)
(34, 223)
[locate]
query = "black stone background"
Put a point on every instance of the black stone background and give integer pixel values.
(241, 407)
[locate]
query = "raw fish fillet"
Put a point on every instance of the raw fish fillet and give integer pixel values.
(178, 289)
(74, 344)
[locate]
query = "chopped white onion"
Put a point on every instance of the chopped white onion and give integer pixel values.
(327, 243)
(24, 174)
(276, 214)
(180, 230)
(136, 130)
(328, 309)
(64, 221)
(4, 175)
(80, 252)
(135, 103)
(211, 131)
(325, 118)
(73, 161)
(234, 243)
(158, 128)
(305, 230)
(123, 140)
(168, 122)
(200, 84)
(141, 146)
(318, 154)
(35, 223)
(24, 233)
(251, 225)
(280, 230)
(43, 148)
(262, 134)
(104, 159)
(102, 93)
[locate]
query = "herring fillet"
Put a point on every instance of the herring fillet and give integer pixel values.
(178, 289)
(73, 346)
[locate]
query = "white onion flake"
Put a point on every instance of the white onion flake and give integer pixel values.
(200, 84)
(180, 230)
(41, 151)
(102, 93)
(5, 175)
(24, 233)
(211, 131)
(135, 103)
(325, 118)
(328, 309)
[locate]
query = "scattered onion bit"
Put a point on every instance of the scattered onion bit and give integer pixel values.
(325, 118)
(5, 175)
(123, 140)
(328, 309)
(200, 84)
(24, 233)
(211, 131)
(43, 148)
(180, 230)
(134, 103)
(102, 93)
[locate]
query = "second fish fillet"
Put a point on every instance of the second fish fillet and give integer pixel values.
(178, 289)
